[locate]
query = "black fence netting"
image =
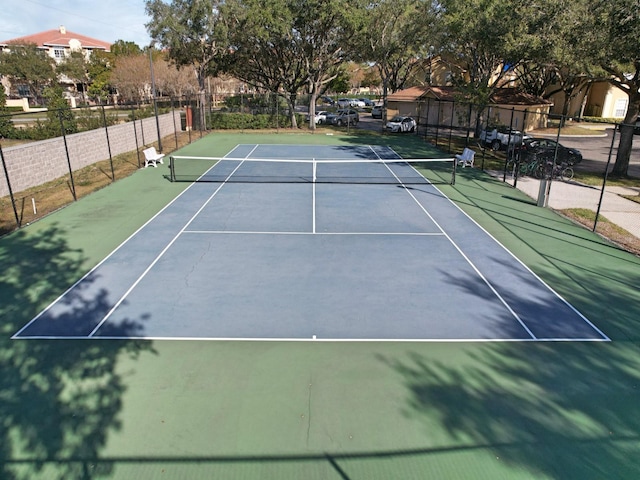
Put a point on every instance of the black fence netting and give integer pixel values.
(543, 154)
(563, 162)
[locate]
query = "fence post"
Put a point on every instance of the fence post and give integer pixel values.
(426, 127)
(175, 128)
(189, 108)
(453, 110)
(66, 149)
(438, 120)
(469, 124)
(6, 175)
(106, 131)
(506, 160)
(155, 102)
(142, 127)
(135, 133)
(606, 175)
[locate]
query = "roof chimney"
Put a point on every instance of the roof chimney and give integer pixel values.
(63, 30)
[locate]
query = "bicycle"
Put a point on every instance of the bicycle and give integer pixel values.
(532, 168)
(563, 170)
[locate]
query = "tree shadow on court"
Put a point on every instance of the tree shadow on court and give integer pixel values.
(58, 399)
(565, 410)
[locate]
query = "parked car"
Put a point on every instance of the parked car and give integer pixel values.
(343, 117)
(544, 148)
(499, 137)
(399, 124)
(350, 102)
(325, 100)
(321, 117)
(367, 102)
(376, 111)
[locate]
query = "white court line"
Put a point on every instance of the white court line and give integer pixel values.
(455, 245)
(531, 272)
(249, 232)
(99, 264)
(126, 294)
(605, 338)
(323, 340)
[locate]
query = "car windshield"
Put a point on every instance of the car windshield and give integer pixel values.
(396, 119)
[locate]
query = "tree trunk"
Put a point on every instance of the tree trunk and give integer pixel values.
(312, 111)
(291, 103)
(313, 90)
(621, 167)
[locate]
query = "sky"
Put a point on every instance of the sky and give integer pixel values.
(107, 20)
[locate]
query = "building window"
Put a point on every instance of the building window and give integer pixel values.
(620, 109)
(58, 53)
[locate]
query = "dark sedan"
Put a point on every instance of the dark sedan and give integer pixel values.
(544, 148)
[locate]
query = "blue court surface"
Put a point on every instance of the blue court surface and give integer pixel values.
(312, 260)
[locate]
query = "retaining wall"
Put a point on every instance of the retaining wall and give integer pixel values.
(40, 162)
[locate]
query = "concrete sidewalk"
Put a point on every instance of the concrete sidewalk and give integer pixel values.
(563, 195)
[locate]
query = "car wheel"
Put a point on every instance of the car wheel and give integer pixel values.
(339, 123)
(413, 129)
(495, 145)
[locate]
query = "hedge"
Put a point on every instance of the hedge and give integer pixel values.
(247, 121)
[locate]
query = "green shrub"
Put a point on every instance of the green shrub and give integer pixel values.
(246, 121)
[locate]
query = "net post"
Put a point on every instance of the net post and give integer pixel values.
(172, 173)
(315, 166)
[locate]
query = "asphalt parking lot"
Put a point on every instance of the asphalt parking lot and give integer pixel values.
(595, 151)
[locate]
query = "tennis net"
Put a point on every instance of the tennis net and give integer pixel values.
(269, 170)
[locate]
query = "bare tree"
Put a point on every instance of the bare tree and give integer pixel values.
(132, 77)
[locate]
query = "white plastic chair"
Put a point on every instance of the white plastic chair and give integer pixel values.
(467, 157)
(151, 157)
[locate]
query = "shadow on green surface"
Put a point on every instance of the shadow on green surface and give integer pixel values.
(597, 277)
(552, 410)
(565, 411)
(58, 399)
(562, 410)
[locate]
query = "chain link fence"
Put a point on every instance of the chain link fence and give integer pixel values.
(113, 138)
(559, 161)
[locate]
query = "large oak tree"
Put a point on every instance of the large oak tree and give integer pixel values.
(614, 39)
(285, 46)
(193, 34)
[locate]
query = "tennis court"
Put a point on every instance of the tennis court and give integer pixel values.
(311, 243)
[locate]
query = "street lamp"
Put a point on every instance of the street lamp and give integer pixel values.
(153, 92)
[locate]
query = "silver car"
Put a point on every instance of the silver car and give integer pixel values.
(400, 124)
(344, 117)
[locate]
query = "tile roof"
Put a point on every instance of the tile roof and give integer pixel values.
(501, 96)
(59, 37)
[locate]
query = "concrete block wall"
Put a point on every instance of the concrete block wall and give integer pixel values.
(40, 162)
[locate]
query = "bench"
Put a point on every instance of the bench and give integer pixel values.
(466, 158)
(151, 157)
